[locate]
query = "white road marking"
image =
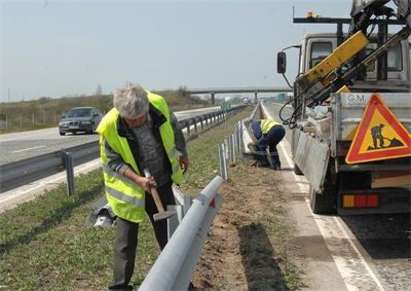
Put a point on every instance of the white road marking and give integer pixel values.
(350, 240)
(29, 149)
(354, 269)
(348, 259)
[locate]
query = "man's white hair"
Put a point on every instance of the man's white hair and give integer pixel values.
(131, 101)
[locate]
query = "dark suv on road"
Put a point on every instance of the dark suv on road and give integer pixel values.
(84, 119)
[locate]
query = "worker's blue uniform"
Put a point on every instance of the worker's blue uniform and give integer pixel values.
(268, 137)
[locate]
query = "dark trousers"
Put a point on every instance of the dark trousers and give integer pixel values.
(271, 139)
(125, 243)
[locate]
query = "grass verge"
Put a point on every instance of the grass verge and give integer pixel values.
(45, 244)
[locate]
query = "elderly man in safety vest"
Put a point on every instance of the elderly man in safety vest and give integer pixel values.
(268, 133)
(139, 133)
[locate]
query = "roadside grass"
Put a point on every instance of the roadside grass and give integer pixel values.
(45, 244)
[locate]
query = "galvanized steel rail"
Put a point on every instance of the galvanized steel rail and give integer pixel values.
(22, 172)
(174, 267)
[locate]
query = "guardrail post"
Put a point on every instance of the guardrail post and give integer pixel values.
(183, 200)
(201, 123)
(239, 140)
(223, 162)
(231, 149)
(242, 146)
(235, 140)
(68, 165)
(226, 150)
(174, 221)
(195, 124)
(188, 127)
(234, 143)
(230, 157)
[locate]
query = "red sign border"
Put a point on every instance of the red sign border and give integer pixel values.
(354, 155)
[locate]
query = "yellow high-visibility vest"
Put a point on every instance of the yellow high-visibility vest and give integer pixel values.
(267, 124)
(123, 195)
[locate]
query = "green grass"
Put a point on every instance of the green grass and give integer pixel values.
(45, 244)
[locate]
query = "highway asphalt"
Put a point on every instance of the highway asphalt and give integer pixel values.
(371, 252)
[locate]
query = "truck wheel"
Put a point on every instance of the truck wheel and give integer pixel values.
(297, 170)
(62, 133)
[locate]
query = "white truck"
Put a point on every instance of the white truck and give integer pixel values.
(324, 122)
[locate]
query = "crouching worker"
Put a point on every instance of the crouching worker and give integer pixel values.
(139, 133)
(267, 134)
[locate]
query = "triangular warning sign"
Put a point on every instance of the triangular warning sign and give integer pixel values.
(380, 135)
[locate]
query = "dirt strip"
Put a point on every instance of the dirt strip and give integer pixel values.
(248, 246)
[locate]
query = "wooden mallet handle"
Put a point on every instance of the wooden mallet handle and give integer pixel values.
(154, 193)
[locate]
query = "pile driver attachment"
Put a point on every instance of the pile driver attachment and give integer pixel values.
(348, 61)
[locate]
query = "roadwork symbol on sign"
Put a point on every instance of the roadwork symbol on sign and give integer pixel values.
(380, 135)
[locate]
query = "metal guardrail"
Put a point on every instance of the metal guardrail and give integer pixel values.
(235, 146)
(22, 172)
(26, 171)
(174, 267)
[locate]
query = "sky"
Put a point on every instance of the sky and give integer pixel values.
(65, 48)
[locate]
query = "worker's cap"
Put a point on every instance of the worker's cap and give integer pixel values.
(131, 101)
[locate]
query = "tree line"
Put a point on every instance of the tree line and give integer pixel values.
(46, 112)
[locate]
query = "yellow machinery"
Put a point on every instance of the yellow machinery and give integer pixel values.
(324, 71)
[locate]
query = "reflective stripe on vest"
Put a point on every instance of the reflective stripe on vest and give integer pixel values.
(267, 124)
(124, 196)
(118, 176)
